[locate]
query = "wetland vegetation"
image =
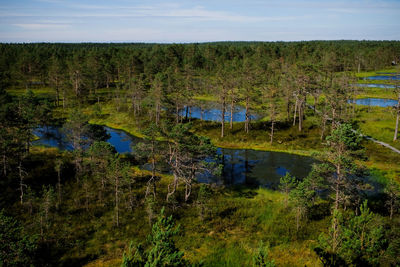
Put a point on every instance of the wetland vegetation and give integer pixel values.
(215, 154)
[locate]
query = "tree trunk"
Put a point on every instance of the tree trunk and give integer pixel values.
(272, 131)
(157, 113)
(86, 196)
(177, 112)
(188, 189)
(246, 126)
(315, 103)
(223, 116)
(63, 98)
(4, 165)
(335, 234)
(117, 199)
(59, 185)
(298, 214)
(391, 208)
(301, 111)
(57, 95)
(151, 181)
(337, 189)
(231, 119)
(396, 129)
(173, 185)
(76, 84)
(323, 127)
(295, 111)
(21, 182)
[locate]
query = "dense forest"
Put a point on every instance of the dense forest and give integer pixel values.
(177, 198)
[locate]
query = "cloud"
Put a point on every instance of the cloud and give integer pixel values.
(41, 26)
(196, 20)
(163, 10)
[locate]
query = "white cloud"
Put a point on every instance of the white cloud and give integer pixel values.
(41, 26)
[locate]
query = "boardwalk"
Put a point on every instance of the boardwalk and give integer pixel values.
(363, 135)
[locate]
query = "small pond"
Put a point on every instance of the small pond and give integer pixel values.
(376, 102)
(240, 166)
(382, 77)
(211, 111)
(375, 85)
(53, 137)
(259, 168)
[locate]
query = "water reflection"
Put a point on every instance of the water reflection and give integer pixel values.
(375, 85)
(383, 77)
(211, 111)
(240, 166)
(376, 102)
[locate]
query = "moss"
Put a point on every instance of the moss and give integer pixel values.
(373, 73)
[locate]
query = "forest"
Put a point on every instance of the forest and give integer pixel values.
(208, 154)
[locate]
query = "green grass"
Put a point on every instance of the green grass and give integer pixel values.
(236, 220)
(117, 120)
(376, 93)
(378, 123)
(373, 73)
(206, 98)
(39, 91)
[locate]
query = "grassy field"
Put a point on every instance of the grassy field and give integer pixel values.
(377, 72)
(234, 221)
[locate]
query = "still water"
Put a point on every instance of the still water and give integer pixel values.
(240, 166)
(376, 102)
(375, 85)
(211, 111)
(383, 77)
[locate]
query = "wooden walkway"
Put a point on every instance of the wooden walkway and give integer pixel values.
(363, 135)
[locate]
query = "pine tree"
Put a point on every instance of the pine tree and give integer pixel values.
(301, 197)
(16, 247)
(163, 251)
(262, 258)
(357, 241)
(392, 190)
(363, 238)
(286, 184)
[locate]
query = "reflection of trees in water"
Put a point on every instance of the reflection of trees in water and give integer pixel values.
(240, 166)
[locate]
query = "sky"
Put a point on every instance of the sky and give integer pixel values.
(197, 20)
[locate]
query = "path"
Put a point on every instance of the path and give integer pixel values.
(363, 135)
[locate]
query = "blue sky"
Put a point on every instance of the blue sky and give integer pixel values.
(197, 20)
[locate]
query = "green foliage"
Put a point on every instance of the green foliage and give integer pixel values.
(134, 257)
(262, 258)
(301, 198)
(363, 238)
(286, 184)
(329, 245)
(16, 247)
(358, 240)
(97, 133)
(163, 251)
(186, 155)
(203, 198)
(344, 146)
(392, 190)
(157, 82)
(97, 111)
(344, 137)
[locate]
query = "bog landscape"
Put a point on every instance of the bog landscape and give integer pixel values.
(234, 153)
